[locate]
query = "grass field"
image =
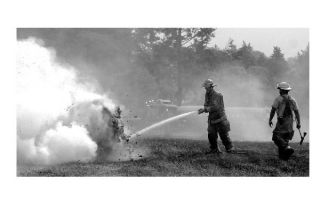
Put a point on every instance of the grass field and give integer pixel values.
(182, 157)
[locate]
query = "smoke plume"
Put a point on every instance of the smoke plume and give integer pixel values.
(59, 118)
(106, 55)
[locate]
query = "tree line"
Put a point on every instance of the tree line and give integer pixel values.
(179, 54)
(138, 64)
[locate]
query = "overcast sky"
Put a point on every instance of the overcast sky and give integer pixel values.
(290, 40)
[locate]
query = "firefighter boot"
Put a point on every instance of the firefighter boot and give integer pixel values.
(287, 152)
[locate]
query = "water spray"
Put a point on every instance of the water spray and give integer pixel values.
(163, 122)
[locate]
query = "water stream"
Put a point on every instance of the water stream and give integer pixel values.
(158, 124)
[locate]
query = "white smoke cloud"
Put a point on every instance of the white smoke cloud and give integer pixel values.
(59, 119)
(60, 144)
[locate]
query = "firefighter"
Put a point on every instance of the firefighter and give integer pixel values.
(217, 119)
(284, 105)
(118, 126)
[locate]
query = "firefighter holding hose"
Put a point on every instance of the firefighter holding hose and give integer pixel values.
(217, 119)
(284, 105)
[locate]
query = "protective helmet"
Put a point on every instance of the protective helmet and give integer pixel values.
(208, 83)
(284, 86)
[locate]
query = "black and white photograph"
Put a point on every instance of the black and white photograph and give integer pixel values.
(157, 102)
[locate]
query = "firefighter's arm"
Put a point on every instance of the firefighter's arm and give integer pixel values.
(294, 107)
(272, 112)
(209, 109)
(297, 114)
(205, 109)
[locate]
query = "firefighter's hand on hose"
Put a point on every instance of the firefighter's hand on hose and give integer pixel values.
(270, 123)
(298, 126)
(201, 110)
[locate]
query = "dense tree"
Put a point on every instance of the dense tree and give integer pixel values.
(245, 55)
(299, 76)
(277, 65)
(174, 56)
(164, 62)
(172, 49)
(231, 49)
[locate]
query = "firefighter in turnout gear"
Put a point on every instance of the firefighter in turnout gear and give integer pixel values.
(217, 119)
(118, 126)
(284, 105)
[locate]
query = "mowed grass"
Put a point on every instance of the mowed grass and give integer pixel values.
(182, 157)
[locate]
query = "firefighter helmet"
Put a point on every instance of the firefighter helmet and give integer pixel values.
(208, 83)
(284, 86)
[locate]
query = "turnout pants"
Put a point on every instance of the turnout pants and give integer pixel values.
(222, 128)
(282, 140)
(283, 133)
